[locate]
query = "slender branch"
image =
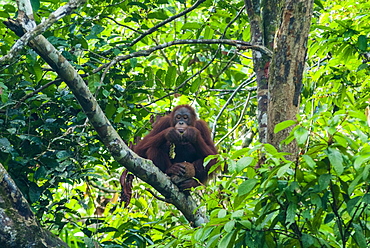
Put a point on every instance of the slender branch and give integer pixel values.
(240, 120)
(122, 25)
(29, 95)
(246, 82)
(153, 29)
(241, 45)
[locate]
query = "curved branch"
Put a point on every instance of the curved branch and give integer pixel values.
(153, 29)
(246, 82)
(240, 119)
(241, 45)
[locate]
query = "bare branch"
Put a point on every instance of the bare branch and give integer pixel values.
(237, 124)
(241, 45)
(246, 82)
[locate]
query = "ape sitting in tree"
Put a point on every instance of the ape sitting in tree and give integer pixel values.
(177, 145)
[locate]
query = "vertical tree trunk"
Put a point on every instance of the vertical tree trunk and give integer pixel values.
(264, 19)
(286, 69)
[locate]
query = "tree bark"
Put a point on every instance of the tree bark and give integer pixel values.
(286, 70)
(18, 226)
(264, 19)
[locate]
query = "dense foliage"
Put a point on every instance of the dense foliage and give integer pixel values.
(71, 181)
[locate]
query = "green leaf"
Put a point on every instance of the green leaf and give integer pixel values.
(191, 25)
(336, 160)
(301, 135)
(360, 160)
(170, 76)
(283, 169)
(362, 43)
(242, 163)
(318, 3)
(324, 181)
(283, 125)
(307, 240)
(229, 226)
(354, 183)
(222, 213)
(35, 5)
(359, 236)
(351, 204)
(159, 14)
(310, 162)
(5, 145)
(247, 186)
(290, 214)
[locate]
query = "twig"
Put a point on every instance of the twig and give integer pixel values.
(246, 82)
(240, 119)
(241, 45)
(29, 95)
(157, 197)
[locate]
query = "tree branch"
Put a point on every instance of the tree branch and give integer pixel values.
(153, 29)
(241, 45)
(246, 82)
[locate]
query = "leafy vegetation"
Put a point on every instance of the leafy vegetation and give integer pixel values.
(72, 182)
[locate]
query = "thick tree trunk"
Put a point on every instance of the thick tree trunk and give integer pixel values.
(264, 19)
(286, 69)
(18, 226)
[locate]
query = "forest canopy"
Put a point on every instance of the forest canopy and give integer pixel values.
(68, 67)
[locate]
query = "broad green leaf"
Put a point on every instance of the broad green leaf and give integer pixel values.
(270, 148)
(354, 183)
(227, 240)
(310, 162)
(283, 125)
(360, 160)
(195, 85)
(301, 135)
(237, 214)
(307, 240)
(283, 170)
(229, 226)
(290, 214)
(247, 186)
(324, 181)
(336, 160)
(35, 5)
(191, 25)
(170, 76)
(159, 14)
(222, 213)
(242, 163)
(351, 204)
(359, 236)
(362, 42)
